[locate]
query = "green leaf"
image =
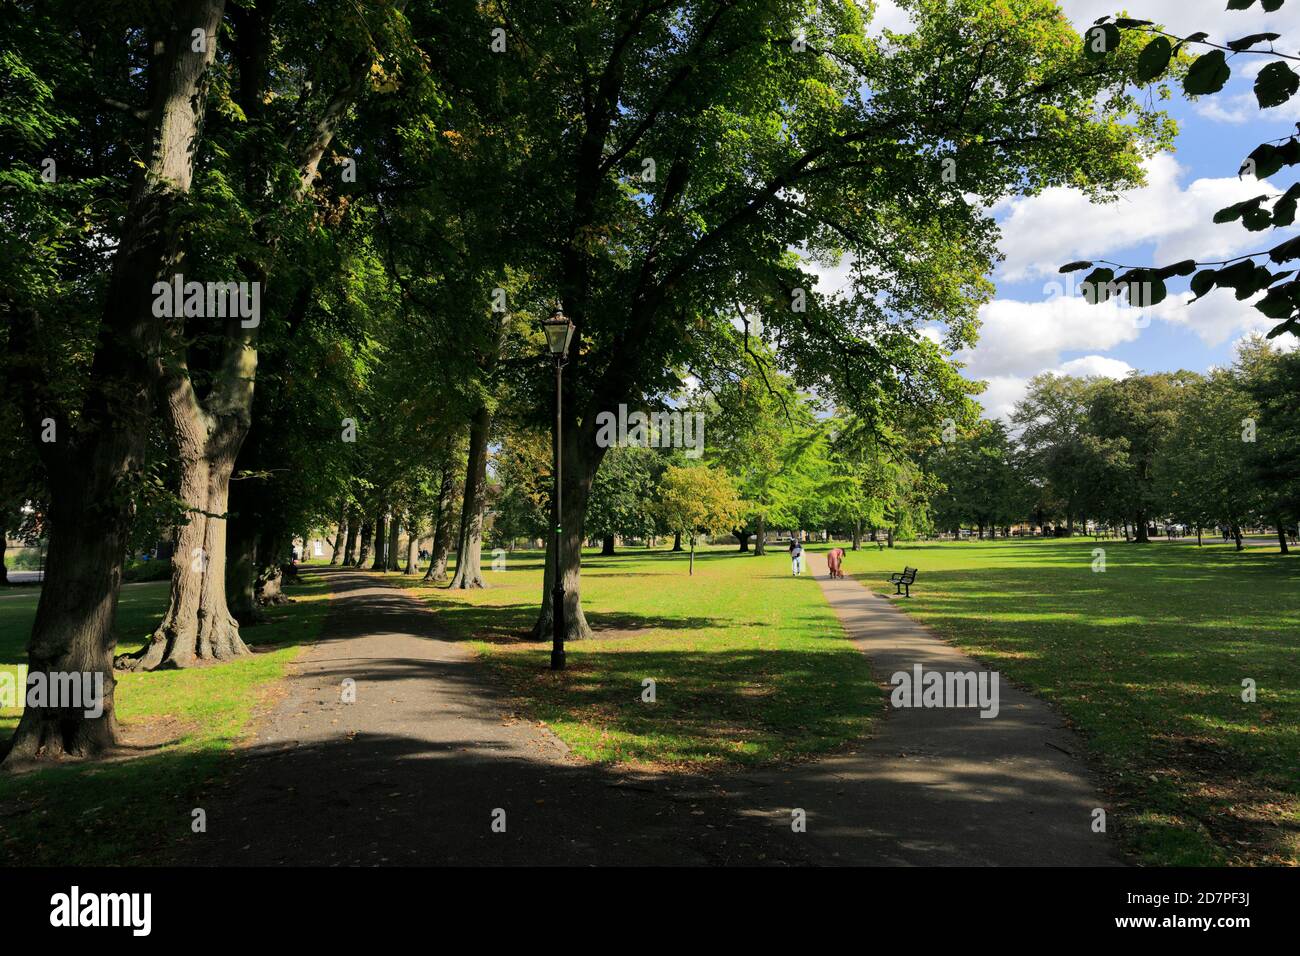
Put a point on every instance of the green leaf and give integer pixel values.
(1099, 40)
(1203, 281)
(1286, 250)
(1237, 209)
(1285, 207)
(1275, 84)
(1270, 5)
(1154, 59)
(1241, 4)
(1207, 74)
(1246, 43)
(1075, 266)
(1256, 219)
(1096, 286)
(1280, 301)
(1184, 268)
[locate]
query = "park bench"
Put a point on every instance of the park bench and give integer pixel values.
(903, 582)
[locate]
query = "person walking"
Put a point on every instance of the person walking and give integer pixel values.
(796, 556)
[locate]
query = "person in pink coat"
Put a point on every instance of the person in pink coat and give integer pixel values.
(834, 557)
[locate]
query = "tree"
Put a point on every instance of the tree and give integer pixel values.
(696, 501)
(981, 484)
(1202, 470)
(103, 435)
(1138, 413)
(622, 494)
(688, 150)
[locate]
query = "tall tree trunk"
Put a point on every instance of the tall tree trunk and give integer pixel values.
(1140, 528)
(607, 545)
(692, 569)
(1198, 534)
(581, 459)
(390, 553)
(336, 555)
(677, 541)
(412, 545)
(197, 625)
(367, 533)
(442, 527)
(857, 534)
(469, 546)
(381, 541)
(1281, 536)
(891, 537)
(241, 556)
(760, 538)
(743, 537)
(4, 542)
(90, 501)
(350, 546)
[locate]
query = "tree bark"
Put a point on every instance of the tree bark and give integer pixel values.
(381, 542)
(350, 546)
(677, 541)
(760, 538)
(337, 552)
(607, 545)
(90, 502)
(743, 537)
(241, 557)
(469, 546)
(390, 553)
(1140, 529)
(581, 459)
(367, 530)
(857, 534)
(1281, 536)
(197, 625)
(442, 527)
(412, 545)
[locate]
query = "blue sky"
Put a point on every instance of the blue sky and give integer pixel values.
(1037, 324)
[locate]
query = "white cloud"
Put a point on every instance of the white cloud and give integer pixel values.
(1183, 17)
(1021, 338)
(999, 398)
(1244, 108)
(1041, 233)
(1215, 318)
(889, 16)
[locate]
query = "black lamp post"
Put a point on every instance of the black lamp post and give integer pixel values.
(559, 332)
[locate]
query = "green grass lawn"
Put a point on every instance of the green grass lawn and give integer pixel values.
(750, 665)
(120, 811)
(1147, 661)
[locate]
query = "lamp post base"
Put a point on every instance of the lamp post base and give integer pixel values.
(557, 628)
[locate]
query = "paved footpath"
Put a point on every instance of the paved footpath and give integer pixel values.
(413, 770)
(939, 786)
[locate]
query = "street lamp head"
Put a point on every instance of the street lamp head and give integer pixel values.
(559, 332)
